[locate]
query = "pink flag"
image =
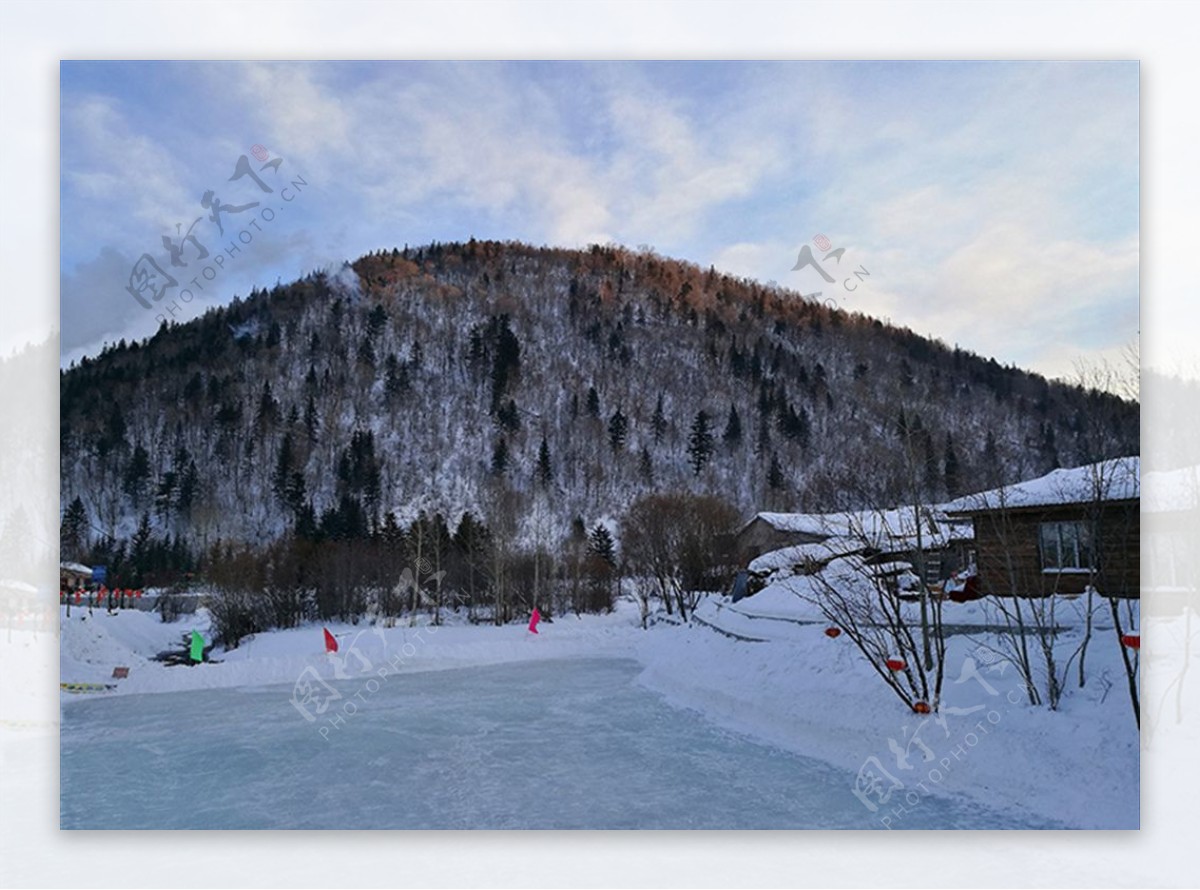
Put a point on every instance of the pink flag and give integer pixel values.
(330, 642)
(534, 619)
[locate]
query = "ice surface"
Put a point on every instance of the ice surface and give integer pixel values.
(550, 744)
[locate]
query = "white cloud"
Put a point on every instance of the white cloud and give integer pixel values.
(990, 203)
(114, 175)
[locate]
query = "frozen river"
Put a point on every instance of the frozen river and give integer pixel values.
(561, 744)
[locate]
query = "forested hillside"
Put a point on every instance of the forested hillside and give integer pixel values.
(540, 391)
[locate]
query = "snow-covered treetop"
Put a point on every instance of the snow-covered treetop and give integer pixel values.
(1118, 479)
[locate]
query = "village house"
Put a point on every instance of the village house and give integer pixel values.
(925, 537)
(1059, 533)
(73, 575)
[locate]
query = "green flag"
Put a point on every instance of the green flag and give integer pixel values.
(197, 646)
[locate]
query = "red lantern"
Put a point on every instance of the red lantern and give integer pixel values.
(78, 597)
(1133, 641)
(138, 594)
(921, 707)
(895, 664)
(833, 632)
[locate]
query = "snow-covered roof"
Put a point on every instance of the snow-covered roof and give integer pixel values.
(799, 554)
(803, 523)
(896, 528)
(1118, 479)
(75, 567)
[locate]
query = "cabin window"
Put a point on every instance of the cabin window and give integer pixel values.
(1066, 546)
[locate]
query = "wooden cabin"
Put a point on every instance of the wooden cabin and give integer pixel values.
(1059, 533)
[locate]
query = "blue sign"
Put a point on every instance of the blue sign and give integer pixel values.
(99, 574)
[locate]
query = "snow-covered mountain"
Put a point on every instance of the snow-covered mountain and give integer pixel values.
(532, 386)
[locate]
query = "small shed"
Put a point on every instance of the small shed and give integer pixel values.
(924, 536)
(73, 575)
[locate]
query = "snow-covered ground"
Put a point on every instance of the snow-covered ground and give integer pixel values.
(805, 692)
(798, 691)
(93, 645)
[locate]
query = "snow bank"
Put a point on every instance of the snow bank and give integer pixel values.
(93, 645)
(810, 694)
(795, 598)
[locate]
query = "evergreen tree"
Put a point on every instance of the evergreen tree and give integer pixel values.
(366, 354)
(268, 407)
(189, 487)
(593, 402)
(1050, 446)
(618, 426)
(294, 496)
(310, 420)
(395, 377)
(762, 442)
(306, 522)
(600, 544)
(803, 428)
(359, 473)
(991, 460)
(775, 477)
(114, 432)
(578, 530)
(506, 357)
(284, 465)
(545, 473)
(508, 417)
(500, 457)
(950, 469)
(733, 428)
(73, 532)
(164, 497)
(137, 474)
(376, 321)
(700, 442)
(930, 464)
(659, 422)
(139, 550)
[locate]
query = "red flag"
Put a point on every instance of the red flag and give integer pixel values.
(534, 619)
(330, 642)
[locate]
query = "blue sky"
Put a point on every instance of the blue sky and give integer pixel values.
(995, 205)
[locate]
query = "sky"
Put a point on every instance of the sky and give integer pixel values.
(994, 206)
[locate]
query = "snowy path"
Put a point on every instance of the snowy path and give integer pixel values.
(551, 744)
